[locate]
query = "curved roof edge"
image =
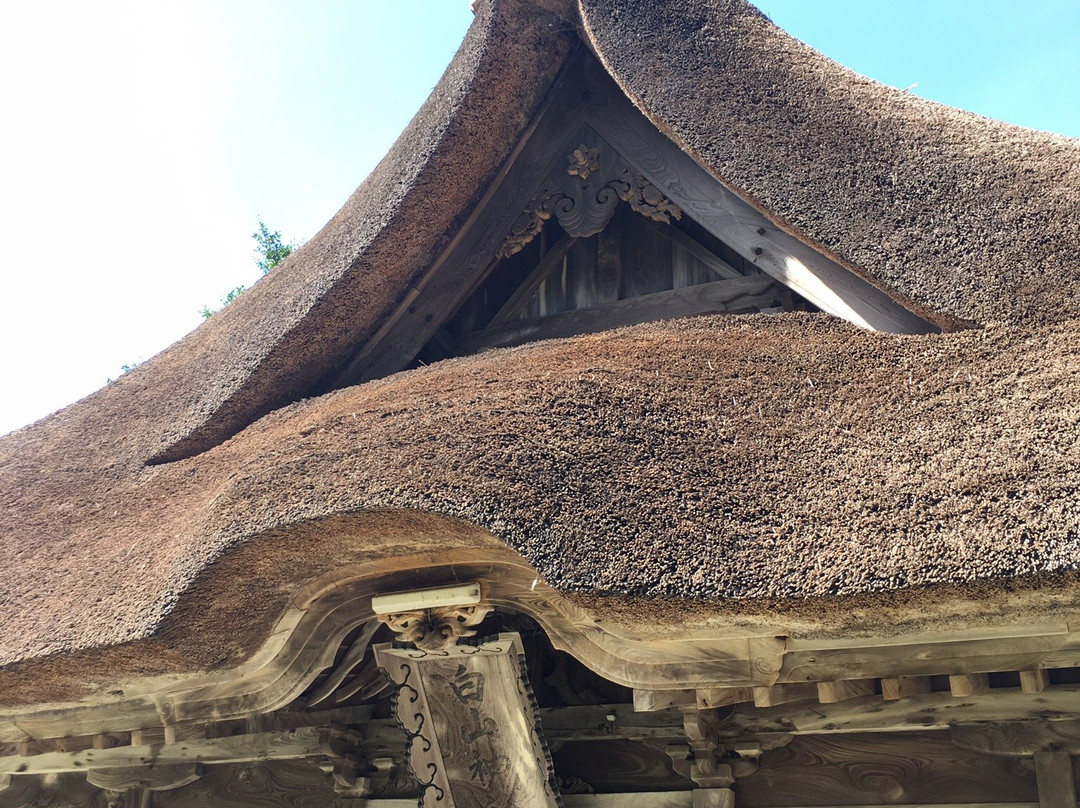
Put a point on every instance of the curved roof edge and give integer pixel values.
(968, 218)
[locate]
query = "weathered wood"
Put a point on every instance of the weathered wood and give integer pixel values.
(650, 700)
(655, 799)
(909, 769)
(1054, 773)
(297, 743)
(147, 736)
(1035, 681)
(783, 694)
(738, 294)
(471, 724)
(900, 687)
(608, 267)
(832, 692)
(965, 684)
(926, 655)
(552, 260)
(713, 798)
(609, 722)
(458, 271)
(694, 248)
(925, 710)
(711, 698)
(1019, 738)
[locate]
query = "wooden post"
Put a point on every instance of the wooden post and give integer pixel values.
(1034, 681)
(1054, 774)
(967, 683)
(901, 687)
(832, 692)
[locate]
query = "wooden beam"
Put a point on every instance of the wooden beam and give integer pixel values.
(650, 700)
(713, 262)
(609, 722)
(551, 261)
(965, 684)
(684, 799)
(292, 744)
(710, 699)
(900, 687)
(1054, 774)
(832, 692)
(1016, 649)
(922, 711)
(1019, 738)
(738, 294)
(646, 799)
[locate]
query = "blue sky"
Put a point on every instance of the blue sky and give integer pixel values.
(143, 140)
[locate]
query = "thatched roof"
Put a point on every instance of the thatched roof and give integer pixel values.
(776, 460)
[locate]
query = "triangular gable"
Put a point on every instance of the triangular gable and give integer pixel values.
(621, 159)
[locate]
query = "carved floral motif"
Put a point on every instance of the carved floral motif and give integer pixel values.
(584, 198)
(583, 162)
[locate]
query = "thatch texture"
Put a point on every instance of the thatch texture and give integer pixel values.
(776, 460)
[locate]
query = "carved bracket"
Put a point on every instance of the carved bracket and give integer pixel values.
(438, 628)
(584, 196)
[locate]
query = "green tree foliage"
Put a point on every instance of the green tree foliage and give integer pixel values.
(208, 312)
(270, 250)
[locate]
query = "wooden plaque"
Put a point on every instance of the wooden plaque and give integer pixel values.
(474, 738)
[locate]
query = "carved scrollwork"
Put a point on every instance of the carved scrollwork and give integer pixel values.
(584, 198)
(436, 629)
(645, 198)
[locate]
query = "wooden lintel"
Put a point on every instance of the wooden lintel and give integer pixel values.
(900, 687)
(965, 684)
(832, 692)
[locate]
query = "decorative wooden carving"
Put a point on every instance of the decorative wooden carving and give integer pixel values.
(436, 629)
(472, 725)
(584, 196)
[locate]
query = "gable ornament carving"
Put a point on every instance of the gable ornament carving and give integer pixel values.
(584, 196)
